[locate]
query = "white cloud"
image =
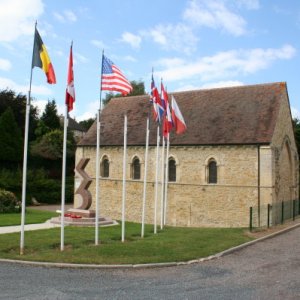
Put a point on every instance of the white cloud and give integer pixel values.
(211, 85)
(220, 84)
(214, 14)
(132, 39)
(40, 90)
(80, 57)
(179, 37)
(17, 18)
(6, 83)
(59, 53)
(99, 44)
(295, 113)
(129, 58)
(41, 103)
(91, 110)
(65, 16)
(226, 64)
(58, 17)
(249, 4)
(5, 64)
(170, 62)
(70, 16)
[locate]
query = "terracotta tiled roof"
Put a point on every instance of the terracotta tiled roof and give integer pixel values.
(235, 115)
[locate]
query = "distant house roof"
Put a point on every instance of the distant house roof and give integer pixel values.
(234, 115)
(72, 124)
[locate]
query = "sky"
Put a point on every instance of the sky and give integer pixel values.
(190, 44)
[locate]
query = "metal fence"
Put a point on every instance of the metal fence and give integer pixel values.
(271, 215)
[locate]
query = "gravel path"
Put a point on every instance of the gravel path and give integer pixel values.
(265, 270)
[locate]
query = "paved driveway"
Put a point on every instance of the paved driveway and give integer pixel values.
(265, 270)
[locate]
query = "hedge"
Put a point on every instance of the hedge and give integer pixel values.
(39, 186)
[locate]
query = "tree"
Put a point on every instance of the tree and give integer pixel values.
(41, 129)
(10, 139)
(138, 88)
(86, 124)
(296, 123)
(8, 98)
(50, 146)
(50, 117)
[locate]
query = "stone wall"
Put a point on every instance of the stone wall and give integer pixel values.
(285, 157)
(191, 200)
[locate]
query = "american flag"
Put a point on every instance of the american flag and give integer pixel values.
(113, 79)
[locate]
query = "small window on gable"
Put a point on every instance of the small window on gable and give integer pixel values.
(104, 169)
(212, 171)
(136, 169)
(172, 170)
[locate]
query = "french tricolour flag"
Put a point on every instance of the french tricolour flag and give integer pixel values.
(177, 118)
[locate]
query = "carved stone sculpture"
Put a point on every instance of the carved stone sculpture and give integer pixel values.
(82, 193)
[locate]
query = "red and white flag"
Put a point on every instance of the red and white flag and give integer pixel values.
(167, 123)
(70, 92)
(177, 117)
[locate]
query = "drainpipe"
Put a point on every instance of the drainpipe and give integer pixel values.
(258, 184)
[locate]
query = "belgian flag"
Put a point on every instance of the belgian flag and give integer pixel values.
(41, 58)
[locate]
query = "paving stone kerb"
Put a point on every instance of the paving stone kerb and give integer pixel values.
(151, 265)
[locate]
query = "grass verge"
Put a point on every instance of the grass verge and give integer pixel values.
(172, 244)
(32, 216)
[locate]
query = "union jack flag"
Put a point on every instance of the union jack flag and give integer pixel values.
(158, 109)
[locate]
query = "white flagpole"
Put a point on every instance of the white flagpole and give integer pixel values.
(63, 184)
(145, 179)
(97, 180)
(166, 179)
(124, 178)
(98, 162)
(162, 183)
(156, 180)
(24, 177)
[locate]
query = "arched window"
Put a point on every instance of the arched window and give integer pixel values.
(172, 170)
(136, 168)
(104, 168)
(212, 171)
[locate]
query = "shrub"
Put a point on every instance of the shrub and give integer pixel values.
(39, 186)
(8, 202)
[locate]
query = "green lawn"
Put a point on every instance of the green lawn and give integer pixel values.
(32, 216)
(172, 244)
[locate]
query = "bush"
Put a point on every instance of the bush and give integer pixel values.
(39, 186)
(8, 202)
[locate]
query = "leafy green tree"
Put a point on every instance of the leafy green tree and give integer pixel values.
(10, 139)
(50, 116)
(50, 146)
(138, 88)
(87, 123)
(41, 129)
(8, 98)
(296, 123)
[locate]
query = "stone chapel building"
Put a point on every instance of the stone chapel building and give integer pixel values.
(238, 151)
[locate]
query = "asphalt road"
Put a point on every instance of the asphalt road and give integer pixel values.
(265, 270)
